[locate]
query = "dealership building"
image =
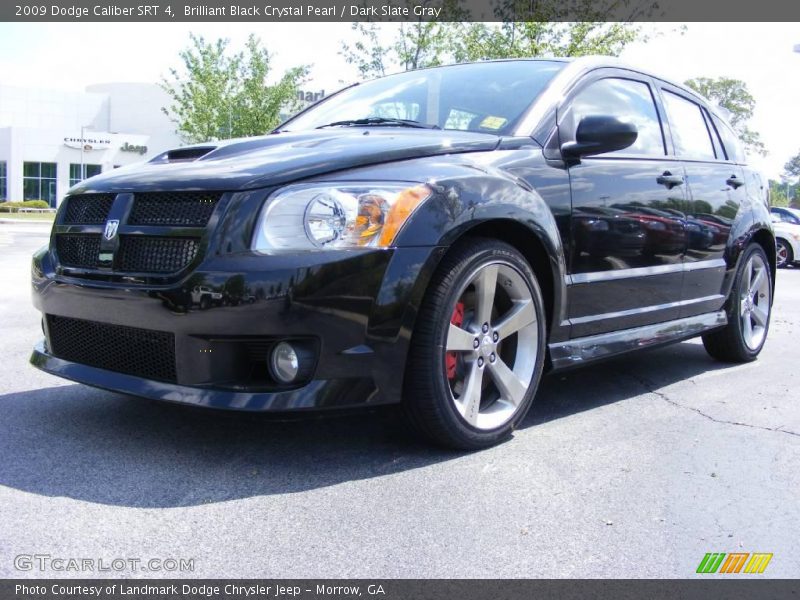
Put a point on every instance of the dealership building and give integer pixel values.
(50, 140)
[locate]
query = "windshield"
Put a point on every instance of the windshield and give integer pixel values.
(487, 97)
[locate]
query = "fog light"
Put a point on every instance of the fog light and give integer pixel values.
(284, 364)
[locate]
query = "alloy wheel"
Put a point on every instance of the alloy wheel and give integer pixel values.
(782, 254)
(754, 305)
(492, 345)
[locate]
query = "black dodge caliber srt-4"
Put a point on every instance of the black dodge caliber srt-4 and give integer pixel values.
(437, 238)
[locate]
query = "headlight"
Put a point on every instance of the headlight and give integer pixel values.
(354, 215)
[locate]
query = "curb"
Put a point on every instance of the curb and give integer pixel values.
(24, 222)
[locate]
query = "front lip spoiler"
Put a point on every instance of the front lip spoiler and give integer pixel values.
(317, 394)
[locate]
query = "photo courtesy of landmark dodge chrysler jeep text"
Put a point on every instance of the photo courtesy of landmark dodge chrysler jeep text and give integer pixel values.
(437, 238)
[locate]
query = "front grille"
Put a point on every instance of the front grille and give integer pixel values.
(150, 254)
(189, 209)
(130, 350)
(160, 233)
(88, 209)
(137, 253)
(78, 250)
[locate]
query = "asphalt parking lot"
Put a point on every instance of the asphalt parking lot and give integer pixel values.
(633, 468)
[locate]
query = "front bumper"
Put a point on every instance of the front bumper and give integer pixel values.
(356, 309)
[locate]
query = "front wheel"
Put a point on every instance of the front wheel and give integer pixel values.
(749, 308)
(477, 352)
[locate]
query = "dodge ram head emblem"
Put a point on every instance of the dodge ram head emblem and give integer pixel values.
(111, 229)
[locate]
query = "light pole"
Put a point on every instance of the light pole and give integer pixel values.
(83, 166)
(83, 149)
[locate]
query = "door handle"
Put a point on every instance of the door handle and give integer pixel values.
(734, 181)
(669, 180)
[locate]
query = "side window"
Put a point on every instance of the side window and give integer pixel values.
(628, 100)
(689, 130)
(730, 141)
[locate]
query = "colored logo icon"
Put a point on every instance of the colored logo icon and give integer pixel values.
(734, 562)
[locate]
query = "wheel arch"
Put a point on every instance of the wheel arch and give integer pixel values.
(531, 246)
(766, 239)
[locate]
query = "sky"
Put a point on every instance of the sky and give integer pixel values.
(71, 56)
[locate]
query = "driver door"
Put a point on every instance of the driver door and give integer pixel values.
(628, 243)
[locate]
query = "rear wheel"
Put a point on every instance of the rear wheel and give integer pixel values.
(784, 253)
(749, 307)
(477, 352)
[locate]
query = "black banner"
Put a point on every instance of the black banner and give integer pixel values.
(733, 588)
(396, 10)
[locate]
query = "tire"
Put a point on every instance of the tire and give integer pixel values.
(477, 352)
(749, 309)
(785, 256)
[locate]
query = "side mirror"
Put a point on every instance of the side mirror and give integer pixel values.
(598, 134)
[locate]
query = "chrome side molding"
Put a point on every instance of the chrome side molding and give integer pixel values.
(605, 345)
(595, 276)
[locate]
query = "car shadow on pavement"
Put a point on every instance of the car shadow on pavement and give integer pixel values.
(97, 446)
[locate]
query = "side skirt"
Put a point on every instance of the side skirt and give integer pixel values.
(580, 351)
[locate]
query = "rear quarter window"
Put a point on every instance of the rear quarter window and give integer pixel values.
(730, 141)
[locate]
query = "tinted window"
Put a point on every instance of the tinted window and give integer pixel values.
(487, 97)
(629, 101)
(76, 176)
(730, 141)
(39, 182)
(688, 128)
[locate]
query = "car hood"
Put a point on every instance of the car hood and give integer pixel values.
(281, 158)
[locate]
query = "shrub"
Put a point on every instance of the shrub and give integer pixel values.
(10, 206)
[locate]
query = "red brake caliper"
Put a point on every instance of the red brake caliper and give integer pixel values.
(451, 358)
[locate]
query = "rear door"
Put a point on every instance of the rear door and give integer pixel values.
(626, 264)
(716, 190)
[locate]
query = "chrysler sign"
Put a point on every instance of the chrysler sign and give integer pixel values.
(88, 143)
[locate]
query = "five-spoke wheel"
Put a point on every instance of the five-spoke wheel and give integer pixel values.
(755, 301)
(749, 310)
(494, 348)
(478, 349)
(784, 253)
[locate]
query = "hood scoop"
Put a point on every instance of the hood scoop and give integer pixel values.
(180, 155)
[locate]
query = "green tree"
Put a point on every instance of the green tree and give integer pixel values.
(777, 193)
(217, 94)
(733, 96)
(792, 167)
(413, 45)
(529, 39)
(524, 29)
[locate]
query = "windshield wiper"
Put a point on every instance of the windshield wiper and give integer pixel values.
(367, 121)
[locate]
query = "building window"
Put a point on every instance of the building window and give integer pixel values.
(75, 173)
(3, 182)
(39, 182)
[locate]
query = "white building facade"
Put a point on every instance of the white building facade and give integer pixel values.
(50, 140)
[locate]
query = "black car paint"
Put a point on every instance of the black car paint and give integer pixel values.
(286, 157)
(358, 303)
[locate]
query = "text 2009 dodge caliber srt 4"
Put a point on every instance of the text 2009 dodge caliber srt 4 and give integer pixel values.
(436, 238)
